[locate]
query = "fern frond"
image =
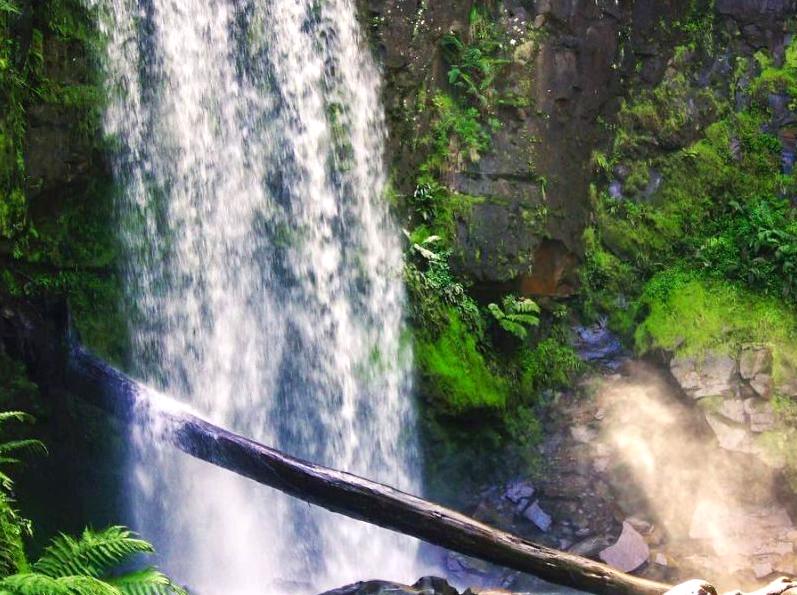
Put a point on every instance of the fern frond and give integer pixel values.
(12, 530)
(20, 416)
(28, 445)
(496, 311)
(147, 581)
(525, 306)
(529, 319)
(513, 327)
(87, 585)
(31, 583)
(92, 555)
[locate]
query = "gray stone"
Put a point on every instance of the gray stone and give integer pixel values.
(762, 415)
(583, 434)
(762, 384)
(732, 409)
(538, 516)
(629, 552)
(731, 436)
(428, 585)
(714, 375)
(736, 530)
(519, 492)
(754, 361)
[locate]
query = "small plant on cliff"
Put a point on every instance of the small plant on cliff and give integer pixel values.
(516, 315)
(475, 62)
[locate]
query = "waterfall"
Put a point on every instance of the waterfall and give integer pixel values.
(264, 278)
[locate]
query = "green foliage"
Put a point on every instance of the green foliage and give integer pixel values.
(87, 566)
(756, 243)
(65, 246)
(13, 528)
(84, 566)
(434, 291)
(550, 364)
(477, 60)
(516, 315)
(455, 373)
(719, 204)
(774, 79)
(457, 133)
(687, 312)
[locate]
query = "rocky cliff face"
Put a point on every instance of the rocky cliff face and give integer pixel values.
(565, 64)
(570, 63)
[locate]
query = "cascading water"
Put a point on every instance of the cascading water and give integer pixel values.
(265, 278)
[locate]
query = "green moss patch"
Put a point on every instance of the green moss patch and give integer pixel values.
(688, 313)
(456, 373)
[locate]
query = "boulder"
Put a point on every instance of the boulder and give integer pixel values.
(731, 436)
(732, 409)
(428, 585)
(746, 531)
(713, 375)
(763, 385)
(629, 552)
(761, 415)
(754, 361)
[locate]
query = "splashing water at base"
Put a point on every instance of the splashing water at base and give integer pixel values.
(264, 277)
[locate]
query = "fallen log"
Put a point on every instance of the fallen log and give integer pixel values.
(94, 380)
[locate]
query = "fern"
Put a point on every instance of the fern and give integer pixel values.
(68, 566)
(92, 555)
(516, 316)
(145, 582)
(13, 527)
(85, 566)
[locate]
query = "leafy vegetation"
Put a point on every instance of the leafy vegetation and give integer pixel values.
(458, 377)
(88, 565)
(57, 242)
(721, 202)
(476, 59)
(690, 312)
(516, 315)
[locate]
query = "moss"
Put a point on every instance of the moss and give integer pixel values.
(776, 79)
(60, 243)
(455, 374)
(549, 364)
(457, 134)
(688, 313)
